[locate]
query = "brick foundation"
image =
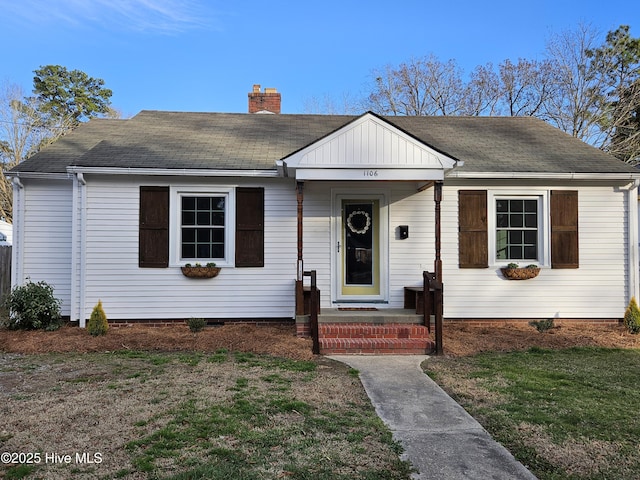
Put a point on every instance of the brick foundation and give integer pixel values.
(170, 322)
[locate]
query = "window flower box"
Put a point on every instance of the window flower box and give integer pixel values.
(199, 271)
(513, 272)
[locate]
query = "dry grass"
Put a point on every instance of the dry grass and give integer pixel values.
(119, 404)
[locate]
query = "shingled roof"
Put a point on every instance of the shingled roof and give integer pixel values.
(228, 141)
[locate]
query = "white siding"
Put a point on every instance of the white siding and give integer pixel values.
(595, 290)
(107, 245)
(130, 292)
(47, 236)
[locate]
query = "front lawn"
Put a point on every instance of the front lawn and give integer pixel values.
(189, 415)
(565, 414)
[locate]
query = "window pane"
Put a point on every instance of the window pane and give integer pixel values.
(501, 244)
(515, 236)
(204, 203)
(502, 206)
(189, 235)
(188, 218)
(516, 205)
(204, 235)
(188, 250)
(218, 203)
(530, 237)
(530, 253)
(203, 218)
(515, 252)
(531, 220)
(503, 220)
(217, 218)
(515, 220)
(203, 251)
(217, 251)
(188, 203)
(217, 235)
(531, 206)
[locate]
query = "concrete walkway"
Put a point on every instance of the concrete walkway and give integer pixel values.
(439, 437)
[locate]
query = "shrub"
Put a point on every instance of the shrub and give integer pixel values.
(542, 325)
(98, 324)
(196, 324)
(32, 306)
(632, 316)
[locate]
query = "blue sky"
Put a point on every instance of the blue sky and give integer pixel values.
(205, 55)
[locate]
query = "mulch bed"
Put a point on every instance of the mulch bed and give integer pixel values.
(458, 339)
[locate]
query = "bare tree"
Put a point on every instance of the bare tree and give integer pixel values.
(482, 93)
(525, 87)
(327, 104)
(23, 131)
(574, 108)
(424, 86)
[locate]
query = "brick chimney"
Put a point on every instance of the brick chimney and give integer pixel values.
(264, 102)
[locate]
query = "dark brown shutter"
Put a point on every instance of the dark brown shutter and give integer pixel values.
(472, 220)
(250, 227)
(153, 240)
(564, 229)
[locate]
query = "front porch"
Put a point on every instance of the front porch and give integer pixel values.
(380, 332)
(415, 329)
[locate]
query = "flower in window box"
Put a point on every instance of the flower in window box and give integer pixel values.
(199, 271)
(514, 272)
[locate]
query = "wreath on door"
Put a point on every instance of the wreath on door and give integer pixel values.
(362, 221)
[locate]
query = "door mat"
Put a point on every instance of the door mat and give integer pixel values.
(358, 309)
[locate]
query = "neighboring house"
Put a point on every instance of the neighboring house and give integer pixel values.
(114, 209)
(6, 233)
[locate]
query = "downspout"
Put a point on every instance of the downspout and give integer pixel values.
(17, 250)
(79, 237)
(634, 249)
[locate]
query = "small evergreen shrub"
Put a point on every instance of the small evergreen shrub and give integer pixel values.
(542, 325)
(196, 324)
(32, 306)
(632, 316)
(97, 324)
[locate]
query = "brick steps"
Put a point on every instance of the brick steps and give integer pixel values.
(371, 339)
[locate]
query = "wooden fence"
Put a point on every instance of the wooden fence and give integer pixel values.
(5, 271)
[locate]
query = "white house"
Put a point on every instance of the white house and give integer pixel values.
(6, 233)
(114, 209)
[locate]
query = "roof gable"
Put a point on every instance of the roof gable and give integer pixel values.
(371, 143)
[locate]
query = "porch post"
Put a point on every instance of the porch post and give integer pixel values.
(437, 197)
(300, 266)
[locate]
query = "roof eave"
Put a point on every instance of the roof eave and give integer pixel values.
(544, 175)
(185, 172)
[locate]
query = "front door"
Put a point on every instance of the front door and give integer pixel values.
(359, 273)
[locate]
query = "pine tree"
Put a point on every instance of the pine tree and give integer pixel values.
(98, 324)
(632, 316)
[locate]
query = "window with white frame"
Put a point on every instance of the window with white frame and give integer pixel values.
(203, 226)
(518, 228)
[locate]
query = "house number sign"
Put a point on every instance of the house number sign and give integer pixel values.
(370, 173)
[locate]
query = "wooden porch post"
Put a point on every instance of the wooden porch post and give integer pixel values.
(437, 264)
(300, 274)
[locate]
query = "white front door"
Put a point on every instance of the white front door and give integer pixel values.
(360, 248)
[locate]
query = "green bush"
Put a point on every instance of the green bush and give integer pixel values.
(632, 316)
(32, 306)
(196, 324)
(542, 325)
(97, 324)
